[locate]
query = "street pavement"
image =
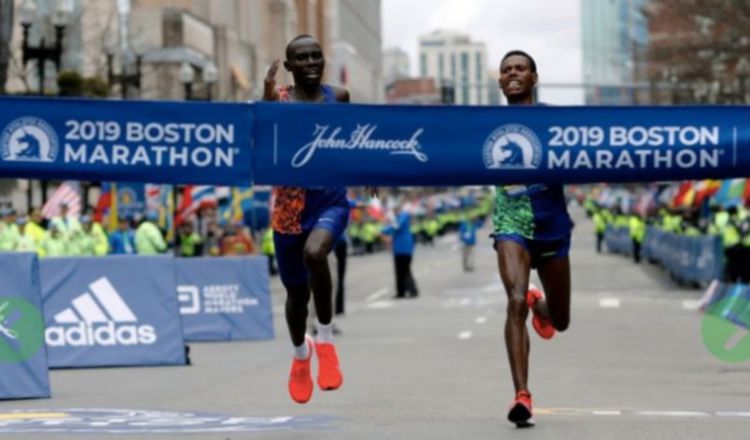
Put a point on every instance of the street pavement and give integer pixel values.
(631, 366)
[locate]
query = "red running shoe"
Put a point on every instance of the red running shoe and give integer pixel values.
(520, 411)
(329, 373)
(300, 377)
(541, 324)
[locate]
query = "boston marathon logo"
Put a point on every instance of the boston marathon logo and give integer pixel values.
(29, 139)
(362, 138)
(512, 146)
(638, 147)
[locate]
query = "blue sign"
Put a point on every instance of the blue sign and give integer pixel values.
(308, 145)
(224, 299)
(111, 311)
(131, 199)
(159, 142)
(23, 358)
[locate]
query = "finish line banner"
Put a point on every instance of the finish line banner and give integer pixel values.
(318, 145)
(137, 141)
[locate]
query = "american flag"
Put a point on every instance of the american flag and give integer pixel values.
(68, 193)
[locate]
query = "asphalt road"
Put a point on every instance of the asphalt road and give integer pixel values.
(631, 366)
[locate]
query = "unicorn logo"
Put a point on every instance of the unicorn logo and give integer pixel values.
(29, 139)
(512, 146)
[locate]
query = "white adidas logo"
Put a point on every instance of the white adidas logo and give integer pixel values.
(108, 321)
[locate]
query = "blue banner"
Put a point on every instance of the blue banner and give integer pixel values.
(321, 145)
(697, 259)
(131, 199)
(158, 142)
(23, 358)
(224, 299)
(303, 144)
(111, 311)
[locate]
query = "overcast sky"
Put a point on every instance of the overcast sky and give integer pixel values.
(549, 30)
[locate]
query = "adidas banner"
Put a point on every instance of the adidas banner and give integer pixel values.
(446, 145)
(23, 358)
(224, 299)
(111, 311)
(155, 142)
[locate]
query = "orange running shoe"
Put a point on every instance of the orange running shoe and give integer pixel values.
(300, 377)
(329, 373)
(542, 325)
(520, 410)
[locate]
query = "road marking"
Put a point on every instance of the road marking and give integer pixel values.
(691, 304)
(377, 295)
(380, 305)
(464, 301)
(481, 320)
(673, 413)
(609, 303)
(464, 335)
(607, 413)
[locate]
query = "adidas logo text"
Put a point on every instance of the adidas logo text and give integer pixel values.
(99, 319)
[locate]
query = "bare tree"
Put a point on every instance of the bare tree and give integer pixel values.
(699, 46)
(6, 32)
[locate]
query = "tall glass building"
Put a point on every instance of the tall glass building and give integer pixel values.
(615, 38)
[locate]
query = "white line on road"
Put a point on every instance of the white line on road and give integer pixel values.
(481, 320)
(380, 305)
(464, 335)
(673, 413)
(465, 301)
(609, 303)
(377, 295)
(691, 304)
(607, 413)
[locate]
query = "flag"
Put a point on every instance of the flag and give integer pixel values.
(685, 195)
(705, 189)
(68, 193)
(731, 192)
(195, 197)
(104, 203)
(241, 201)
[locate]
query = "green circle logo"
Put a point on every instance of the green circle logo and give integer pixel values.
(21, 330)
(726, 330)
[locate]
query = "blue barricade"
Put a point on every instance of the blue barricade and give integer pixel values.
(618, 240)
(224, 299)
(111, 311)
(692, 259)
(23, 357)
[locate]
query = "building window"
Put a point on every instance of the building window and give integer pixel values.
(465, 93)
(441, 68)
(465, 66)
(423, 64)
(480, 67)
(453, 66)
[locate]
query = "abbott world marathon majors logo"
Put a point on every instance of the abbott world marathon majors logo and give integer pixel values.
(100, 317)
(29, 139)
(512, 146)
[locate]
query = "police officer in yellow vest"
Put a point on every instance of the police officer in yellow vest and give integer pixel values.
(731, 239)
(637, 234)
(269, 250)
(600, 226)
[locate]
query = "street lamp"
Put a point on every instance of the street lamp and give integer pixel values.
(124, 78)
(42, 53)
(209, 76)
(187, 76)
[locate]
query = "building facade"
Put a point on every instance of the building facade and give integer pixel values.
(614, 38)
(453, 60)
(396, 65)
